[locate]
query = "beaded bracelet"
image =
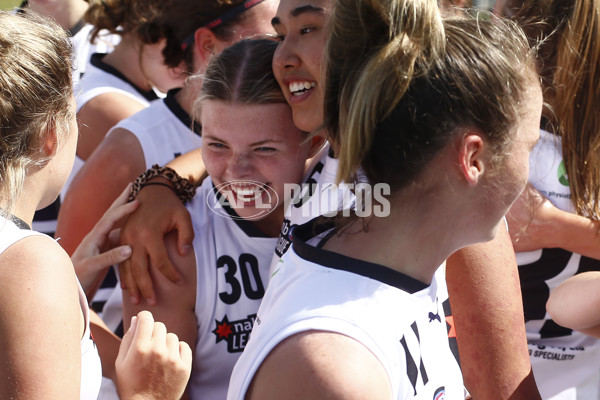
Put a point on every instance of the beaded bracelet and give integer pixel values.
(182, 187)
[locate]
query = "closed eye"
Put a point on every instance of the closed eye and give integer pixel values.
(265, 149)
(217, 145)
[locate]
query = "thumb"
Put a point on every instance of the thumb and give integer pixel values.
(127, 339)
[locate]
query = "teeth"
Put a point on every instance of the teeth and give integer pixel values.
(247, 192)
(296, 87)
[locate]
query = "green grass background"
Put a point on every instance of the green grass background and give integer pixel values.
(9, 4)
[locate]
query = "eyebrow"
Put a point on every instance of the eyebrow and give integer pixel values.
(308, 8)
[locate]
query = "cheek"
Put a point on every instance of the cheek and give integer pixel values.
(277, 71)
(213, 165)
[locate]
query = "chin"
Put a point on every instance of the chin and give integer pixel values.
(306, 121)
(493, 232)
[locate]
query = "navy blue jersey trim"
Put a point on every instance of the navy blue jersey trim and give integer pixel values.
(180, 113)
(19, 222)
(247, 226)
(96, 61)
(320, 225)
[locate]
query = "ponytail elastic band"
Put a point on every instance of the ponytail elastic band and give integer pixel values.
(229, 15)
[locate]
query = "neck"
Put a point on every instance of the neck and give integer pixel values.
(187, 95)
(67, 13)
(415, 238)
(126, 59)
(271, 224)
(25, 205)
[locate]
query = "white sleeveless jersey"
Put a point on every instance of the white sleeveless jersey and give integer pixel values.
(399, 319)
(561, 358)
(319, 196)
(102, 78)
(83, 49)
(232, 263)
(165, 130)
(91, 368)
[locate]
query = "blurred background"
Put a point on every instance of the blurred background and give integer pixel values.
(8, 4)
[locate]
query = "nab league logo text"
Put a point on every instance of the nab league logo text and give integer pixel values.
(235, 333)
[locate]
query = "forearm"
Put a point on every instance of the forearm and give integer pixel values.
(535, 223)
(190, 166)
(574, 233)
(108, 345)
(485, 297)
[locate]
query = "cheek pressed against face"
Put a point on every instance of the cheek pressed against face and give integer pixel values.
(254, 158)
(301, 29)
(524, 140)
(508, 177)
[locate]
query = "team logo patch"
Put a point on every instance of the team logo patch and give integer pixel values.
(258, 197)
(440, 394)
(285, 238)
(434, 317)
(235, 333)
(562, 174)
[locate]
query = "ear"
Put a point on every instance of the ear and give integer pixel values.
(470, 154)
(204, 46)
(316, 143)
(178, 71)
(50, 141)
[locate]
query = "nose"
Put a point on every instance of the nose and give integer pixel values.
(240, 166)
(285, 56)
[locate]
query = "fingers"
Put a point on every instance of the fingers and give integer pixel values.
(114, 214)
(127, 340)
(185, 352)
(152, 361)
(145, 327)
(99, 235)
(126, 277)
(158, 257)
(185, 233)
(111, 257)
(122, 198)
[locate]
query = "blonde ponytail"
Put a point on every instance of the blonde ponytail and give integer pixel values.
(374, 51)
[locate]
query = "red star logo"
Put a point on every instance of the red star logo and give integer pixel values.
(223, 329)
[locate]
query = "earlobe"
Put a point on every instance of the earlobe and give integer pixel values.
(50, 145)
(471, 162)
